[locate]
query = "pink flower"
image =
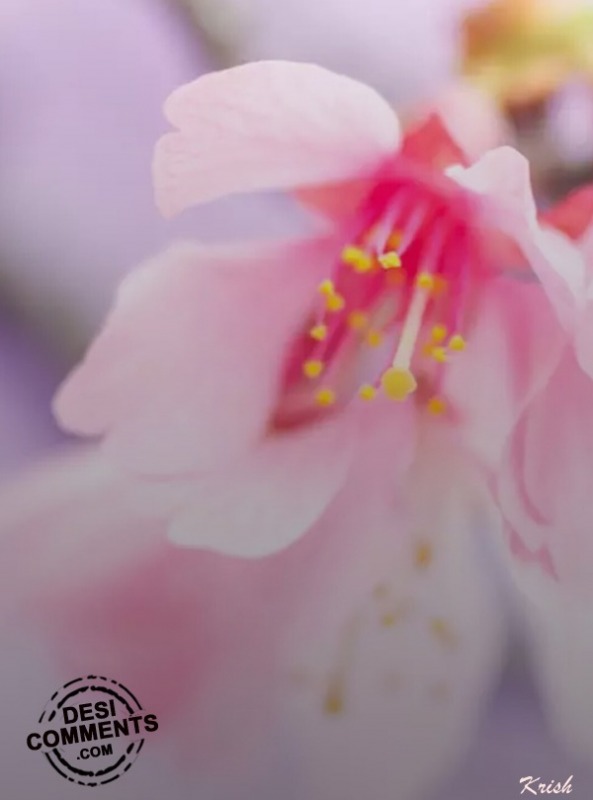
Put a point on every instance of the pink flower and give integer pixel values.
(250, 395)
(544, 489)
(546, 478)
(257, 368)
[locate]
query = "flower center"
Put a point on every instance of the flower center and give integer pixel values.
(390, 315)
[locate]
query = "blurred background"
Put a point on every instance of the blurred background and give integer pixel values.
(82, 83)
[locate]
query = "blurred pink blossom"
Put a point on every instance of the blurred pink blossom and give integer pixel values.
(265, 674)
(547, 479)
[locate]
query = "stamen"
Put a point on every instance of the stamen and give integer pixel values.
(374, 338)
(398, 383)
(335, 302)
(438, 334)
(423, 555)
(439, 354)
(334, 698)
(390, 260)
(437, 405)
(412, 228)
(325, 397)
(388, 619)
(425, 281)
(367, 392)
(443, 632)
(411, 330)
(440, 285)
(395, 240)
(327, 287)
(357, 258)
(457, 342)
(319, 332)
(313, 368)
(357, 320)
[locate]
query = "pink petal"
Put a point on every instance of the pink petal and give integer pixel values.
(472, 118)
(429, 142)
(276, 494)
(502, 177)
(514, 345)
(269, 125)
(94, 583)
(387, 655)
(186, 370)
(272, 497)
(546, 479)
(584, 332)
(336, 200)
(49, 518)
(241, 657)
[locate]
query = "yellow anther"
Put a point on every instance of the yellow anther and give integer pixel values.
(398, 383)
(367, 392)
(457, 342)
(395, 240)
(313, 368)
(325, 397)
(439, 354)
(438, 334)
(335, 302)
(374, 338)
(357, 258)
(390, 260)
(334, 699)
(443, 632)
(425, 281)
(357, 320)
(437, 405)
(319, 332)
(327, 287)
(423, 555)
